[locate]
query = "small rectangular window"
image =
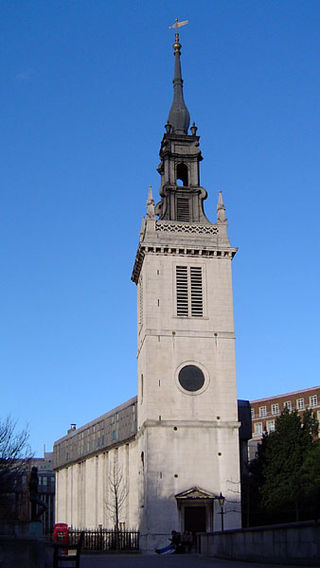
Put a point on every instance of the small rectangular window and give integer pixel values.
(300, 403)
(288, 405)
(275, 408)
(313, 400)
(258, 428)
(252, 412)
(262, 411)
(271, 425)
(141, 388)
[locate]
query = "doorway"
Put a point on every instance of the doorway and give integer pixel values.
(195, 507)
(195, 519)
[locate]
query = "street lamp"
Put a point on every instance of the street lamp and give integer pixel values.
(221, 501)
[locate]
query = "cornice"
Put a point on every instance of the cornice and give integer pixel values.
(84, 457)
(216, 252)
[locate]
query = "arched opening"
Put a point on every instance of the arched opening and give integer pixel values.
(182, 174)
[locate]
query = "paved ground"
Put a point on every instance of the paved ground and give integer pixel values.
(164, 561)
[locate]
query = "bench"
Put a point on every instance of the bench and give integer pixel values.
(67, 553)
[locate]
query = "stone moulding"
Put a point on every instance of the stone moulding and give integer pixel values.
(226, 252)
(194, 424)
(195, 493)
(165, 226)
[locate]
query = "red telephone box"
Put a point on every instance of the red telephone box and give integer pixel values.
(61, 533)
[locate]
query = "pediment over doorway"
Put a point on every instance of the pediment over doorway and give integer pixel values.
(195, 493)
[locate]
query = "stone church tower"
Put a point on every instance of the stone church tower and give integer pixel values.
(187, 431)
(174, 448)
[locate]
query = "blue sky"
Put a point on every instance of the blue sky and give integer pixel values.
(86, 90)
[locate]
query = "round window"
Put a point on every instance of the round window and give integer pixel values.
(191, 378)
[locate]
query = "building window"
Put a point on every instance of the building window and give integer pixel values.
(271, 425)
(313, 400)
(257, 429)
(288, 405)
(252, 412)
(182, 174)
(183, 213)
(262, 411)
(191, 378)
(189, 291)
(300, 403)
(275, 408)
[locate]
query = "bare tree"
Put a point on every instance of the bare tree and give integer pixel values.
(14, 454)
(118, 493)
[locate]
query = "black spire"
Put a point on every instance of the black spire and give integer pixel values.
(179, 118)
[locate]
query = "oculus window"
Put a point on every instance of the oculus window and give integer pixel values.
(191, 378)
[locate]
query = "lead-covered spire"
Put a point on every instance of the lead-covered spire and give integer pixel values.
(179, 118)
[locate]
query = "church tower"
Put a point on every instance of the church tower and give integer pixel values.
(188, 444)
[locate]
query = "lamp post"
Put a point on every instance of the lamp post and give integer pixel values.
(221, 501)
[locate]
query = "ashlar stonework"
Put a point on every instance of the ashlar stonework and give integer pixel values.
(174, 448)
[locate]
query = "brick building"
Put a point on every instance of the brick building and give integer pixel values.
(264, 411)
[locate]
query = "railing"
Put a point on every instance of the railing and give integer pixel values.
(106, 540)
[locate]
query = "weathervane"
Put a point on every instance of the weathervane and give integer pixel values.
(178, 24)
(175, 26)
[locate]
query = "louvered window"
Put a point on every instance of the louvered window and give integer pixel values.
(196, 291)
(182, 291)
(189, 289)
(183, 209)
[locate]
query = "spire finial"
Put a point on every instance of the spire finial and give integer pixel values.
(176, 25)
(221, 215)
(150, 205)
(179, 118)
(177, 45)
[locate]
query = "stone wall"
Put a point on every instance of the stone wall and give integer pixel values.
(25, 552)
(295, 543)
(22, 545)
(84, 496)
(101, 434)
